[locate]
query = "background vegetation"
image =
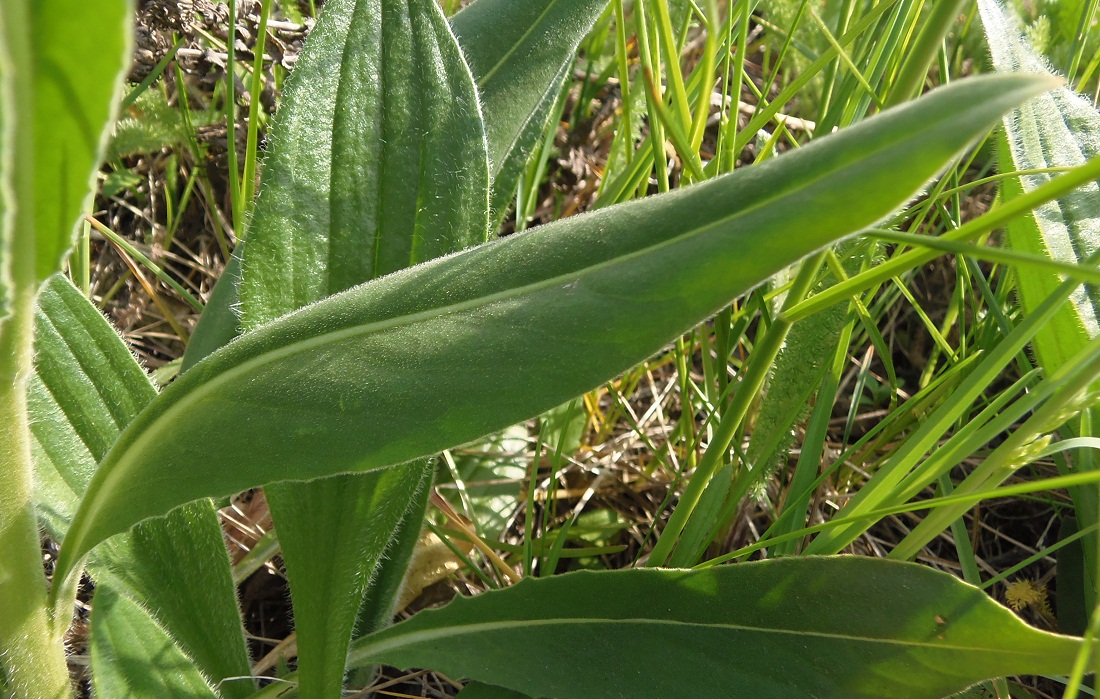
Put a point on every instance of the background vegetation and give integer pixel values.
(856, 387)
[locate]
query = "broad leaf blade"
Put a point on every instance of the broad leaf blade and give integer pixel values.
(405, 179)
(782, 628)
(400, 367)
(73, 100)
(379, 160)
(510, 39)
(333, 532)
(86, 388)
(133, 657)
(520, 53)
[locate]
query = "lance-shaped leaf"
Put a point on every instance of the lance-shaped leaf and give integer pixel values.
(1060, 129)
(133, 657)
(520, 53)
(85, 389)
(441, 353)
(405, 179)
(386, 120)
(74, 98)
(788, 627)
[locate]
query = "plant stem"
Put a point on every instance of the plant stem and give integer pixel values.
(32, 658)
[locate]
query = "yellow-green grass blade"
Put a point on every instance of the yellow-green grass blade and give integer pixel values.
(782, 628)
(85, 389)
(441, 353)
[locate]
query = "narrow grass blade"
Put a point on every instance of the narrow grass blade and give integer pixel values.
(780, 628)
(85, 389)
(446, 351)
(382, 127)
(520, 53)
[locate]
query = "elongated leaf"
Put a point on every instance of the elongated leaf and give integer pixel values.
(80, 49)
(86, 388)
(520, 53)
(150, 668)
(405, 178)
(333, 533)
(512, 48)
(379, 160)
(1059, 129)
(780, 628)
(439, 354)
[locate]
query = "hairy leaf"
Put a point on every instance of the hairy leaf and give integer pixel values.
(788, 627)
(520, 53)
(85, 389)
(381, 125)
(73, 102)
(441, 353)
(1059, 129)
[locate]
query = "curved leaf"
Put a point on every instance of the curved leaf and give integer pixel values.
(520, 53)
(134, 658)
(793, 627)
(85, 389)
(501, 40)
(441, 353)
(1059, 129)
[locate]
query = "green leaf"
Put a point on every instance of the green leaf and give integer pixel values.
(378, 161)
(80, 49)
(782, 628)
(520, 53)
(1059, 129)
(85, 389)
(478, 690)
(381, 125)
(333, 532)
(439, 354)
(219, 323)
(134, 658)
(524, 39)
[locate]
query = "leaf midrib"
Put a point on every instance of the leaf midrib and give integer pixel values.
(363, 653)
(119, 472)
(515, 47)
